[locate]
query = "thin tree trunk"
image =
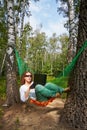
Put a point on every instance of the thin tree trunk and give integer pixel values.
(72, 38)
(22, 27)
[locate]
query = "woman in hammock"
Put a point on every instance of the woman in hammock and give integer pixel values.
(39, 92)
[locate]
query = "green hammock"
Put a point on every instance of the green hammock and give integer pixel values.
(23, 67)
(42, 101)
(71, 65)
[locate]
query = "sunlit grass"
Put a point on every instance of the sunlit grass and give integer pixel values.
(62, 81)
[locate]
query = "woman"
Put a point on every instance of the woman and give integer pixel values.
(38, 92)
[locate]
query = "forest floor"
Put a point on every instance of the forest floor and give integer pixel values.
(32, 117)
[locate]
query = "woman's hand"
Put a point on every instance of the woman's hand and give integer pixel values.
(58, 95)
(31, 83)
(27, 92)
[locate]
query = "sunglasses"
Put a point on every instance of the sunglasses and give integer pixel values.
(28, 75)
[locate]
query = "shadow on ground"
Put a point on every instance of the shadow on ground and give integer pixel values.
(32, 117)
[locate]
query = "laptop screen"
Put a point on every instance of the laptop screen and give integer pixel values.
(40, 79)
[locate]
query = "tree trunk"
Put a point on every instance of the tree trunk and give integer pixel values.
(72, 38)
(11, 77)
(75, 109)
(22, 27)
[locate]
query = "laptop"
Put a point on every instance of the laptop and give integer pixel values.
(40, 79)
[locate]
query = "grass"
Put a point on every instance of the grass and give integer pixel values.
(62, 81)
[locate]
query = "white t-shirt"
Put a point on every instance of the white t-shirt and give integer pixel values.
(22, 91)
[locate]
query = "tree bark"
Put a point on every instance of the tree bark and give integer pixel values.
(72, 38)
(11, 77)
(75, 109)
(22, 27)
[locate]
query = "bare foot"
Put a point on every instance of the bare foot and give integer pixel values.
(67, 89)
(58, 95)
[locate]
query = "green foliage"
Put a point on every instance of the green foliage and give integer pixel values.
(2, 88)
(3, 34)
(1, 112)
(40, 53)
(17, 121)
(62, 81)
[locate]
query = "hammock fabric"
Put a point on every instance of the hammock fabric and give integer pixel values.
(43, 104)
(22, 66)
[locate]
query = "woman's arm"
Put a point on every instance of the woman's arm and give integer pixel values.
(27, 93)
(28, 90)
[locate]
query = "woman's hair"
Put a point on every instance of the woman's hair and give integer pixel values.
(23, 76)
